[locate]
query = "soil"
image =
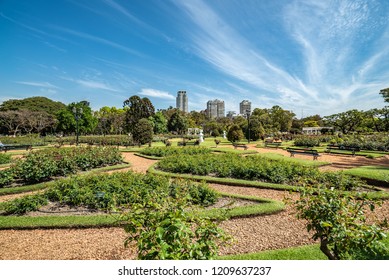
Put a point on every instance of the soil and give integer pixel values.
(251, 234)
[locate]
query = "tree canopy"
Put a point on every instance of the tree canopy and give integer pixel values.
(37, 103)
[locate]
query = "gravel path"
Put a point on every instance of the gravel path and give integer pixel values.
(250, 234)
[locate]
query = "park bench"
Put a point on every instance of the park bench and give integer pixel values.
(309, 152)
(240, 146)
(342, 148)
(273, 144)
(7, 147)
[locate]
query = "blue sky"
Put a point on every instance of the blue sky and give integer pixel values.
(311, 57)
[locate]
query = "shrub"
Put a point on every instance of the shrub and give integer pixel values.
(169, 151)
(5, 158)
(338, 220)
(307, 141)
(255, 168)
(6, 177)
(23, 205)
(42, 165)
(164, 230)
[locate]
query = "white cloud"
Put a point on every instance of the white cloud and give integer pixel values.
(96, 85)
(331, 36)
(156, 93)
(38, 84)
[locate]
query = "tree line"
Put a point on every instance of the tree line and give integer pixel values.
(138, 116)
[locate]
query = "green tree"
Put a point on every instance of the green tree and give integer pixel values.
(159, 122)
(198, 118)
(67, 119)
(137, 108)
(36, 104)
(213, 128)
(281, 119)
(177, 122)
(338, 221)
(110, 120)
(256, 129)
(142, 132)
(311, 124)
(385, 94)
(346, 121)
(235, 133)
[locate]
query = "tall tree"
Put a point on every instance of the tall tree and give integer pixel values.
(142, 132)
(137, 108)
(235, 133)
(385, 94)
(13, 121)
(177, 122)
(36, 103)
(346, 121)
(159, 122)
(67, 120)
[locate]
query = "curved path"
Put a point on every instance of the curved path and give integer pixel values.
(250, 234)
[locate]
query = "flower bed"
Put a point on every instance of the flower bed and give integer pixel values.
(112, 192)
(42, 165)
(169, 151)
(256, 169)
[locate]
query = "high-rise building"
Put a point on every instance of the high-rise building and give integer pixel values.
(182, 101)
(215, 108)
(245, 106)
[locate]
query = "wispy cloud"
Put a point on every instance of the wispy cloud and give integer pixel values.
(331, 36)
(38, 84)
(97, 39)
(96, 85)
(156, 93)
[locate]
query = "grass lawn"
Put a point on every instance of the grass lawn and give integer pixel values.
(379, 173)
(305, 162)
(307, 252)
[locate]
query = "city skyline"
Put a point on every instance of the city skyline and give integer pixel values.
(305, 56)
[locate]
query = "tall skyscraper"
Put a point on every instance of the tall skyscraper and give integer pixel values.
(182, 101)
(215, 108)
(245, 106)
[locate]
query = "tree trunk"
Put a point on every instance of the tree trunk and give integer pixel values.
(324, 248)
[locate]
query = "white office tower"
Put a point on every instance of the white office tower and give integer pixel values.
(182, 101)
(215, 109)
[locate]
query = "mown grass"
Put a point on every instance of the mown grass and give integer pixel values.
(46, 222)
(306, 252)
(379, 173)
(274, 156)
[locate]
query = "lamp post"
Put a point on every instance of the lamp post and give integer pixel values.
(248, 112)
(77, 114)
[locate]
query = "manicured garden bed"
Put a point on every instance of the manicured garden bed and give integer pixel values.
(104, 194)
(39, 166)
